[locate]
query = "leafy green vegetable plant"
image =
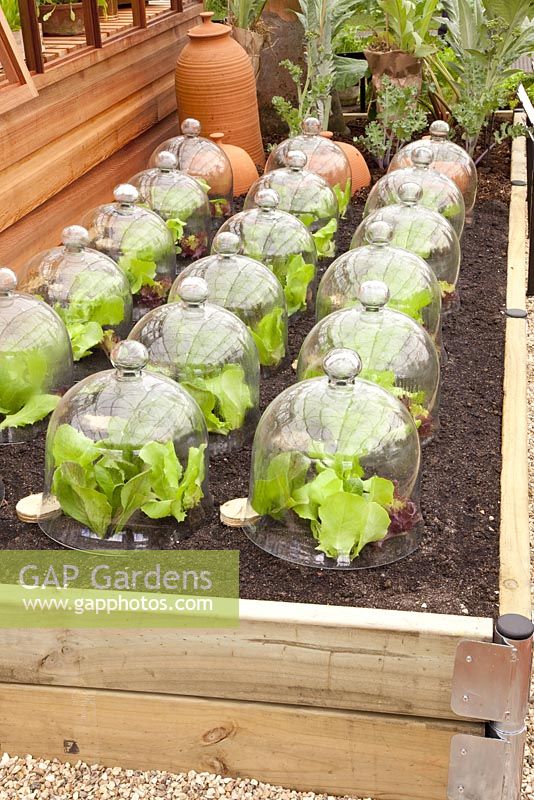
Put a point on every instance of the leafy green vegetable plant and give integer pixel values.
(487, 37)
(269, 337)
(224, 399)
(398, 119)
(84, 317)
(102, 485)
(22, 401)
(345, 511)
(323, 236)
(324, 70)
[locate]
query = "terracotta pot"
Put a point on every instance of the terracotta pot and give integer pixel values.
(215, 84)
(252, 43)
(243, 167)
(111, 11)
(60, 22)
(402, 68)
(359, 171)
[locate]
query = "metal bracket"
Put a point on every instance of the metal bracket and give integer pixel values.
(482, 678)
(491, 682)
(477, 767)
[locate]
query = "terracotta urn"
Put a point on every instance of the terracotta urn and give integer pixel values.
(243, 168)
(359, 171)
(215, 84)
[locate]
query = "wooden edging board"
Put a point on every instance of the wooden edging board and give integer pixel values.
(322, 698)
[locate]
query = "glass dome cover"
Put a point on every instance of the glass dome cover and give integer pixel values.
(324, 156)
(180, 200)
(449, 159)
(211, 353)
(138, 240)
(35, 360)
(281, 242)
(248, 289)
(439, 193)
(126, 459)
(423, 232)
(335, 466)
(204, 159)
(86, 288)
(395, 351)
(305, 195)
(413, 286)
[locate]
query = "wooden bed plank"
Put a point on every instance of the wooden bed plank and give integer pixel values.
(42, 228)
(333, 657)
(514, 580)
(392, 758)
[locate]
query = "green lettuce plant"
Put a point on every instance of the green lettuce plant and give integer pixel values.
(344, 511)
(102, 485)
(269, 337)
(224, 399)
(323, 236)
(84, 316)
(22, 401)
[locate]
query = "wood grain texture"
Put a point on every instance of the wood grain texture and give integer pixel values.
(392, 758)
(325, 656)
(514, 580)
(31, 182)
(42, 228)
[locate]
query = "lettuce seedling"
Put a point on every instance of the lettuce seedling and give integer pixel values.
(224, 398)
(102, 485)
(269, 337)
(295, 280)
(22, 401)
(343, 197)
(345, 511)
(323, 236)
(84, 316)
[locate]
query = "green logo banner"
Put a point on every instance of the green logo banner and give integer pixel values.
(148, 589)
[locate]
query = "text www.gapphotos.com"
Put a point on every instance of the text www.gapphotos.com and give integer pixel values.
(121, 603)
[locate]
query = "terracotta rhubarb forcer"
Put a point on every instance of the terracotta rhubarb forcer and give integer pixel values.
(243, 168)
(215, 84)
(359, 171)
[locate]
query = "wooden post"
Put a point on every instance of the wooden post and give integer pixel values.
(139, 13)
(93, 34)
(31, 36)
(177, 5)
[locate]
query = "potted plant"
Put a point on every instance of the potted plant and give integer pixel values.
(404, 32)
(64, 18)
(247, 28)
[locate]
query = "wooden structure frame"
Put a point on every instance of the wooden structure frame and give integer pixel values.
(330, 699)
(20, 83)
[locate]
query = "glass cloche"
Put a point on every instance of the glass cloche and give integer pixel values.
(35, 360)
(439, 193)
(305, 195)
(212, 355)
(449, 159)
(282, 243)
(324, 156)
(181, 201)
(86, 288)
(413, 286)
(395, 351)
(248, 289)
(139, 241)
(126, 459)
(423, 232)
(204, 159)
(335, 472)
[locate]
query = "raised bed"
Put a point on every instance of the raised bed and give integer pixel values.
(328, 698)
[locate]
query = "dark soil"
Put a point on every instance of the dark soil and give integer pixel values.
(456, 568)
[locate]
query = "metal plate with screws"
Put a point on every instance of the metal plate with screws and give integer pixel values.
(482, 679)
(476, 768)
